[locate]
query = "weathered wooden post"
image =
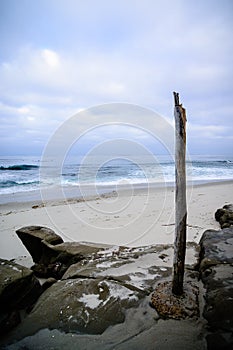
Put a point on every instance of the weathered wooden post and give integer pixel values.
(180, 198)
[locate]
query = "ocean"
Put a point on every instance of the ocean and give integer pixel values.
(30, 174)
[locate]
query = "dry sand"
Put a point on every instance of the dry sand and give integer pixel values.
(134, 218)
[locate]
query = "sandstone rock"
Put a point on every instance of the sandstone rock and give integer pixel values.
(80, 305)
(65, 251)
(218, 308)
(99, 283)
(136, 267)
(56, 259)
(216, 248)
(216, 268)
(51, 255)
(33, 238)
(96, 291)
(219, 301)
(19, 289)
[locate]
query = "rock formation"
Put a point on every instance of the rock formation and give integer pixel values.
(35, 237)
(90, 287)
(51, 255)
(216, 272)
(19, 289)
(93, 285)
(225, 216)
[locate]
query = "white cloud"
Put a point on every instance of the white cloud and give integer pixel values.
(51, 58)
(208, 131)
(30, 119)
(81, 80)
(136, 52)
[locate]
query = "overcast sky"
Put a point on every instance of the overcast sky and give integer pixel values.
(58, 57)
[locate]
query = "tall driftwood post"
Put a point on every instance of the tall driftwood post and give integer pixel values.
(180, 198)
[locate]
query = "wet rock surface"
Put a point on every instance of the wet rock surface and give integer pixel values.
(216, 271)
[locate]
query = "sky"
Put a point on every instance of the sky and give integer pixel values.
(60, 57)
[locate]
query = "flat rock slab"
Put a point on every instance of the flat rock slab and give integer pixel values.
(57, 259)
(80, 305)
(71, 249)
(137, 268)
(93, 260)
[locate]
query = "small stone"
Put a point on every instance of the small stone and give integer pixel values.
(163, 256)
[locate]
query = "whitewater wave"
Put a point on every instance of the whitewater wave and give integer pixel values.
(10, 183)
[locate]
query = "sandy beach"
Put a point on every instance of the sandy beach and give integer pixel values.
(131, 218)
